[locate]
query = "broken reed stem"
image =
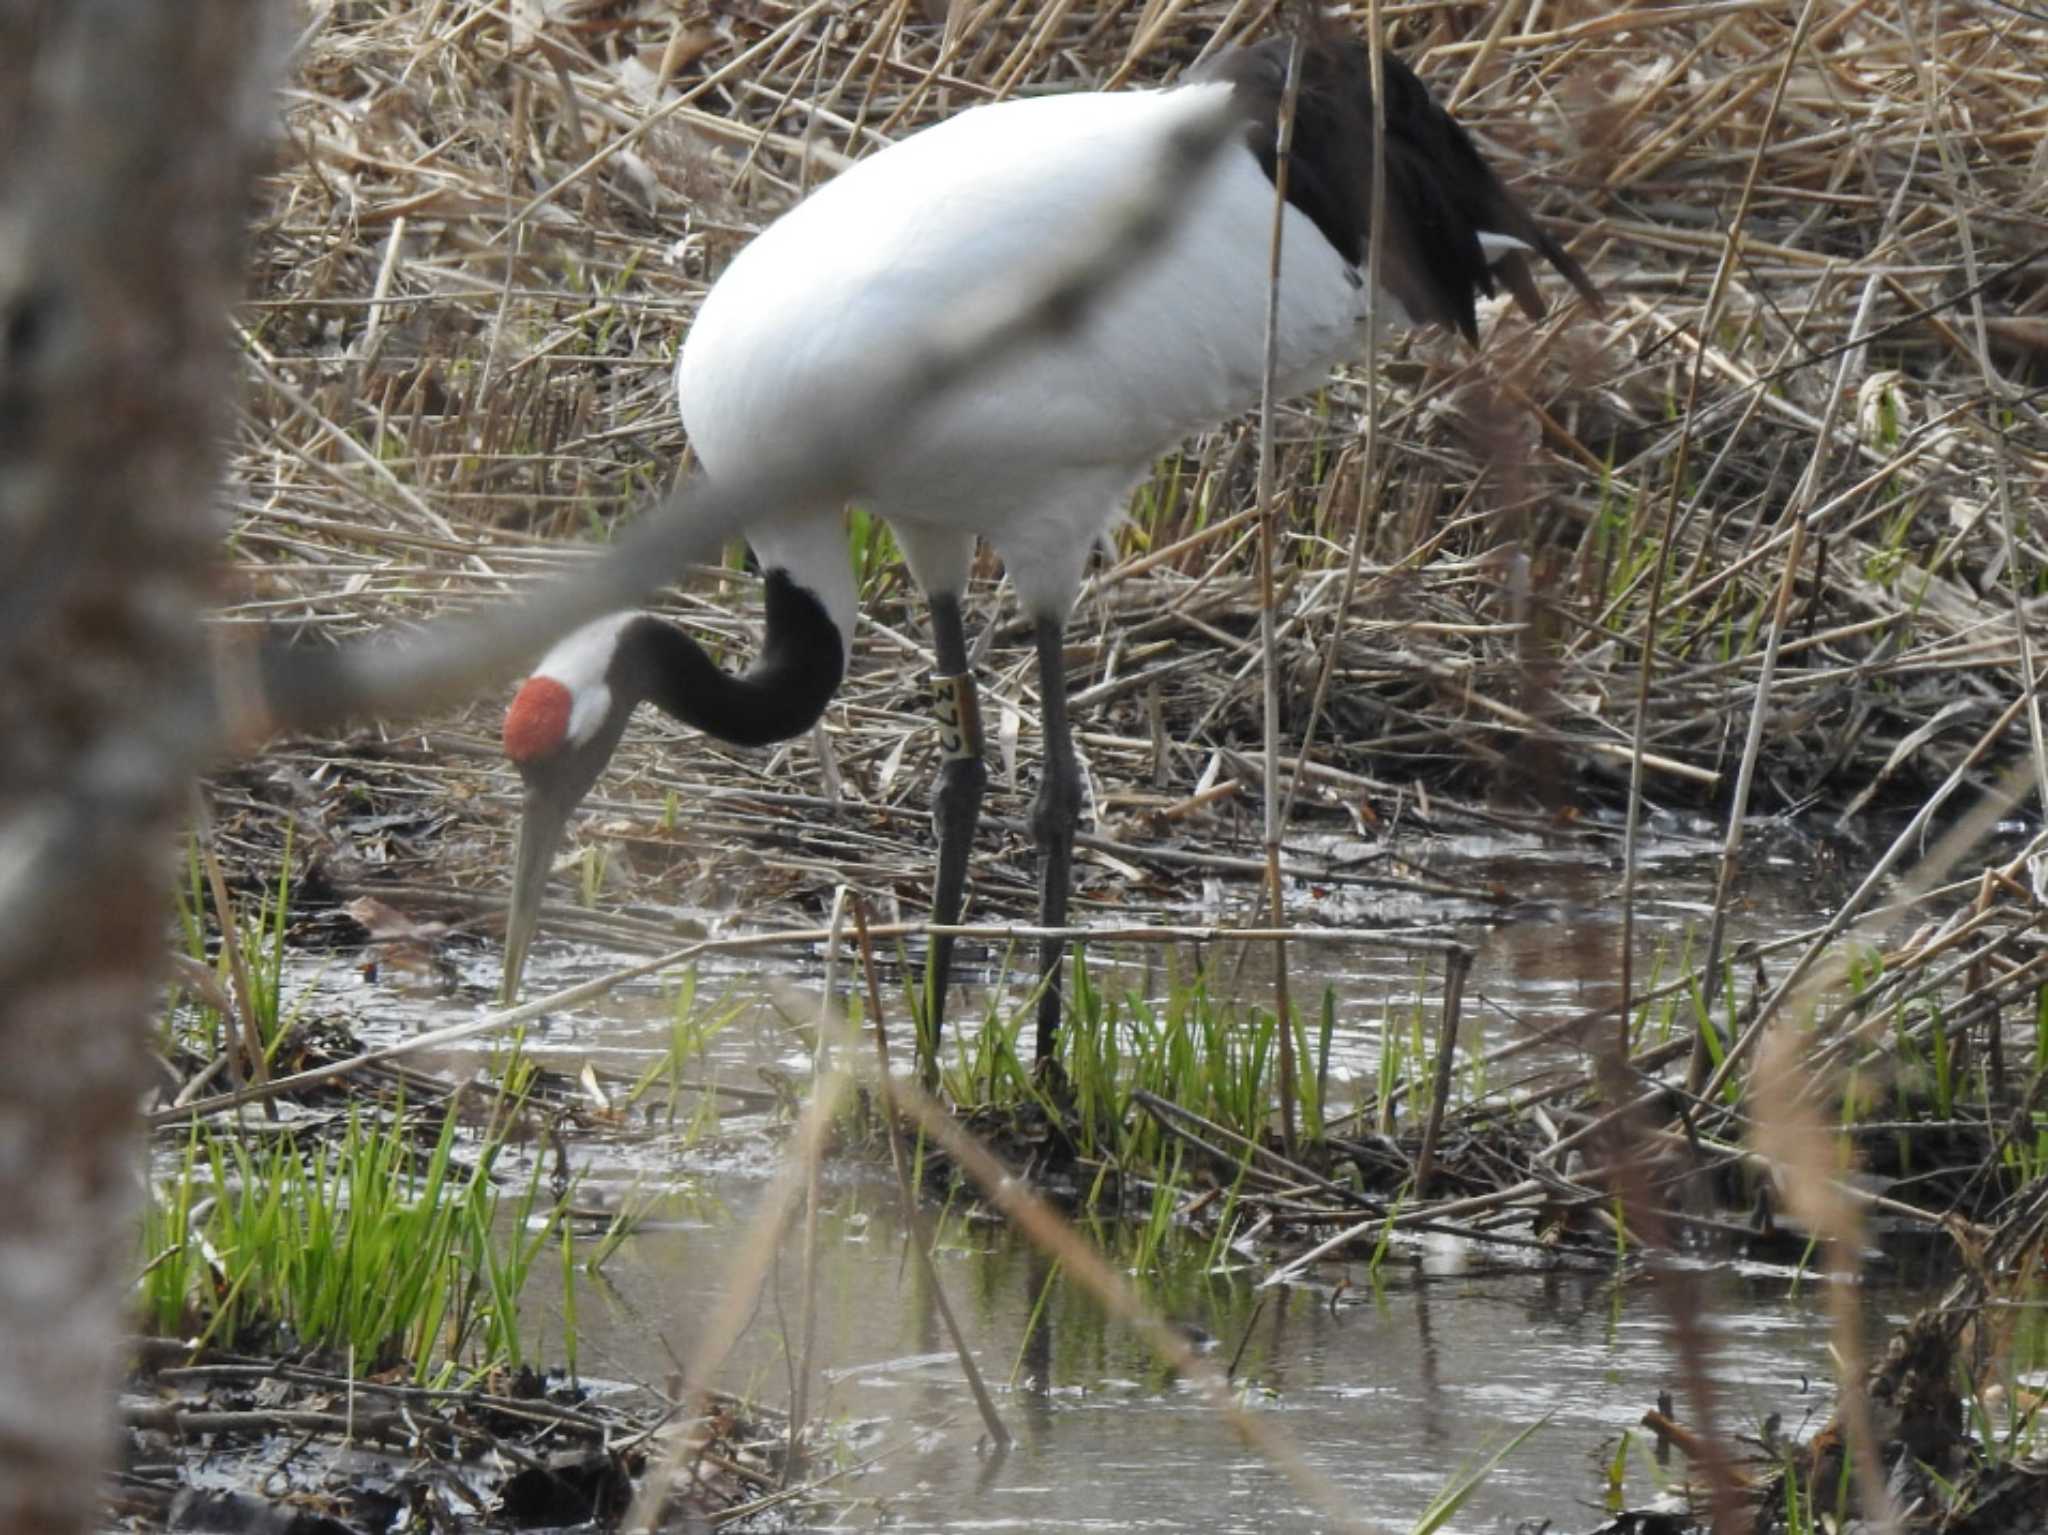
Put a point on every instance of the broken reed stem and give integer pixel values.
(1269, 553)
(914, 1226)
(1457, 963)
(241, 1038)
(1227, 1146)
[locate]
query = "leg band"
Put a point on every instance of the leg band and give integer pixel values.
(957, 708)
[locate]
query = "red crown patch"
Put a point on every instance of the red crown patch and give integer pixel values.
(538, 721)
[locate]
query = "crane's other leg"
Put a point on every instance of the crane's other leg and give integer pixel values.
(956, 807)
(1052, 821)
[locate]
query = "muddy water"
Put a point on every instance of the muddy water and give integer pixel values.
(1389, 1387)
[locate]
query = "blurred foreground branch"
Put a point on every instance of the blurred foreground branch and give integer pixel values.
(130, 127)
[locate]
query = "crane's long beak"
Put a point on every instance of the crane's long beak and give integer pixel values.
(540, 833)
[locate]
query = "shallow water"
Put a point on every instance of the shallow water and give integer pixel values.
(1544, 957)
(1390, 1391)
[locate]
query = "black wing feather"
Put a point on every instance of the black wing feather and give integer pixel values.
(1440, 191)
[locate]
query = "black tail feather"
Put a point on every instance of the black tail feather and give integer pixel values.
(1440, 192)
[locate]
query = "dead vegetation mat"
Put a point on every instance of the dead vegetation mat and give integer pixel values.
(238, 1444)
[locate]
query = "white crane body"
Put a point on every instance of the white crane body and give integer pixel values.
(803, 344)
(812, 319)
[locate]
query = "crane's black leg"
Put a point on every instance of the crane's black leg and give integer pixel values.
(1052, 820)
(956, 806)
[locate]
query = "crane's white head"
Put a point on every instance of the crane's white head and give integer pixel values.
(569, 696)
(561, 729)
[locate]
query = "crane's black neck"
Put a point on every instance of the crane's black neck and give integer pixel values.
(782, 694)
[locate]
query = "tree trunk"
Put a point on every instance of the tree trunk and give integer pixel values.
(125, 135)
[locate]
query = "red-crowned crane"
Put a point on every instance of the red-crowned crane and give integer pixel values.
(811, 321)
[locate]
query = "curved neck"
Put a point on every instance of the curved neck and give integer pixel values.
(781, 695)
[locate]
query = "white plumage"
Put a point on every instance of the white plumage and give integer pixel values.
(1040, 455)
